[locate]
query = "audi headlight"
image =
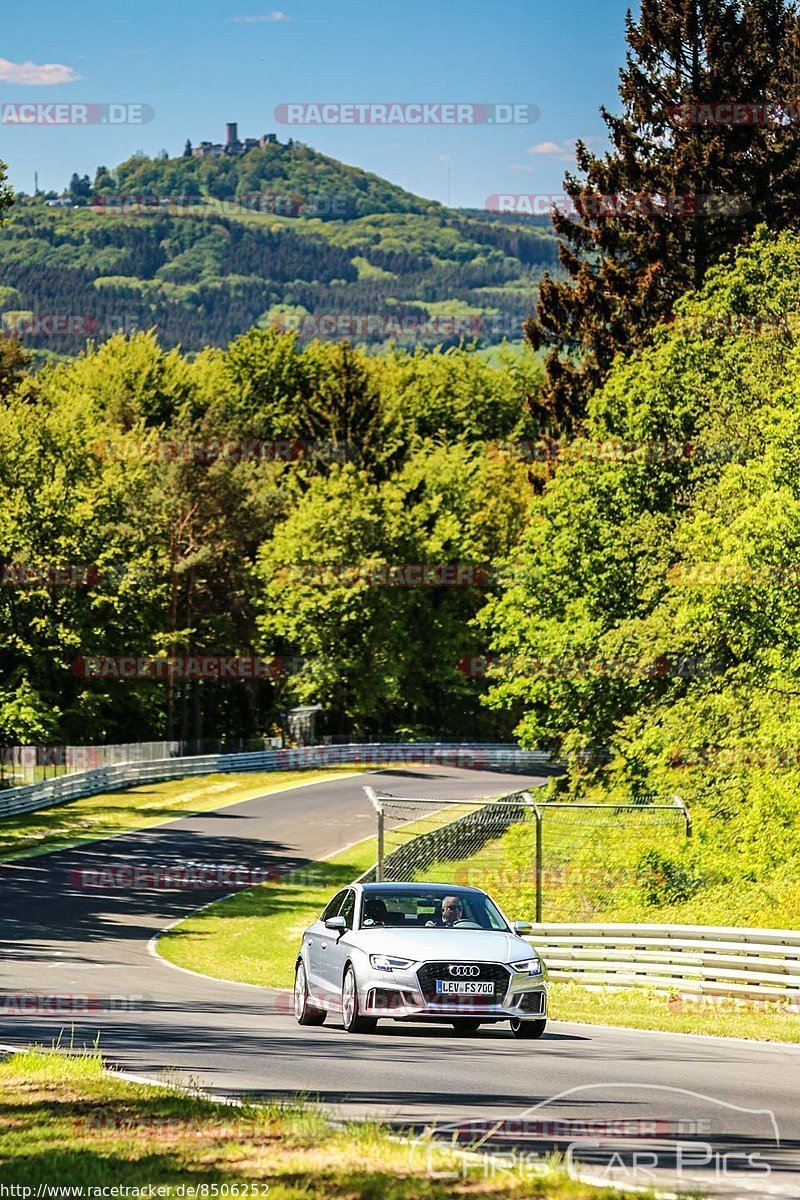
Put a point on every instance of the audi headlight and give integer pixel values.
(527, 966)
(386, 962)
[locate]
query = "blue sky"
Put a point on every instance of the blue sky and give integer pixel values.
(200, 63)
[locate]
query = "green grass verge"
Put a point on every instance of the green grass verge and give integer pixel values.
(114, 813)
(640, 1008)
(65, 1122)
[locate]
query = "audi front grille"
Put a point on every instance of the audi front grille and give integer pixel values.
(429, 972)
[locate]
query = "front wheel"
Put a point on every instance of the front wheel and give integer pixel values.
(304, 1011)
(351, 1017)
(528, 1029)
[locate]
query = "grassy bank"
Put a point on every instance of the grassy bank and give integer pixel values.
(150, 804)
(633, 867)
(64, 1121)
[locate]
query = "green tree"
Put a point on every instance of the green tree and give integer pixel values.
(380, 656)
(6, 192)
(676, 550)
(671, 196)
(80, 187)
(14, 362)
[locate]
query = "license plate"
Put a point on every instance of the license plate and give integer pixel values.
(464, 987)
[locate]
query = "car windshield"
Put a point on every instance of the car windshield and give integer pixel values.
(424, 909)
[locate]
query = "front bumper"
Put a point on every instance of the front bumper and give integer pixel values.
(401, 995)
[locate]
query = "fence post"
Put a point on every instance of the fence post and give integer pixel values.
(379, 867)
(538, 866)
(683, 806)
(376, 804)
(538, 815)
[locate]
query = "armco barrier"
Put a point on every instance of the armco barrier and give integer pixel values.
(692, 960)
(124, 775)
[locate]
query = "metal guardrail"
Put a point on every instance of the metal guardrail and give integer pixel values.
(693, 960)
(125, 775)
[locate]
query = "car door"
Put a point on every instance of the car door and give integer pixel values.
(335, 948)
(315, 936)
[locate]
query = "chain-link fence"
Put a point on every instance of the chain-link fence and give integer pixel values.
(577, 860)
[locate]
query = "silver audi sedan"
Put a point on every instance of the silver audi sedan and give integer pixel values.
(419, 952)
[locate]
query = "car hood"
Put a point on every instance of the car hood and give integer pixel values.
(450, 945)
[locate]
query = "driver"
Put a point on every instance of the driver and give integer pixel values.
(452, 910)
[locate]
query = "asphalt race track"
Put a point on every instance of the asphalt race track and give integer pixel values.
(720, 1116)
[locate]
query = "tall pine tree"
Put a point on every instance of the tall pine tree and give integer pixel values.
(686, 179)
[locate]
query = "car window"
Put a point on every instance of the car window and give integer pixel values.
(348, 909)
(334, 906)
(423, 909)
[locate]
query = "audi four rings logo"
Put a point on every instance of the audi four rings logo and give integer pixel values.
(470, 972)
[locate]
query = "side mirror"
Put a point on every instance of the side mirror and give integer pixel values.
(336, 924)
(522, 927)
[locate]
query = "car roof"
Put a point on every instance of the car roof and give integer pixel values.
(443, 888)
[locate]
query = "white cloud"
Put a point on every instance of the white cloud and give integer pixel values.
(546, 148)
(258, 18)
(38, 74)
(563, 151)
(560, 151)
